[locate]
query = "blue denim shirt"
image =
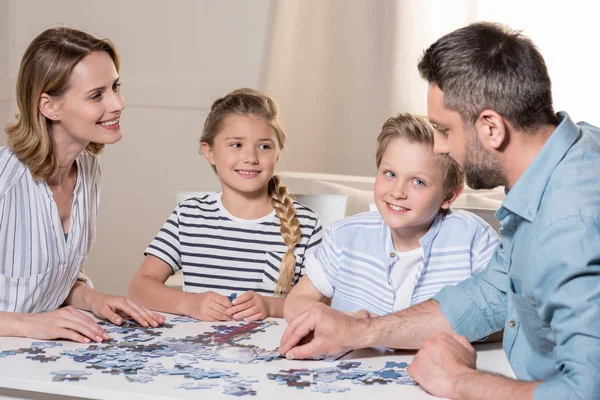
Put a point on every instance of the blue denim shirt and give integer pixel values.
(543, 282)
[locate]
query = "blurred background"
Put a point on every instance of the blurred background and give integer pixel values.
(338, 69)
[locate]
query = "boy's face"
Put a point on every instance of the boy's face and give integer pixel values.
(409, 189)
(244, 153)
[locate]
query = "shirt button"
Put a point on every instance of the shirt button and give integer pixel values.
(392, 255)
(511, 324)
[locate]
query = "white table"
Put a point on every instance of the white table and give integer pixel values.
(21, 378)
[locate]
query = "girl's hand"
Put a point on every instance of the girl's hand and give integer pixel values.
(113, 308)
(250, 306)
(209, 306)
(64, 323)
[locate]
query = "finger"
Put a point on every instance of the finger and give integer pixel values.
(240, 307)
(84, 323)
(145, 314)
(246, 313)
(256, 317)
(309, 349)
(77, 326)
(159, 318)
(299, 327)
(219, 311)
(217, 316)
(360, 314)
(131, 309)
(463, 340)
(243, 298)
(222, 300)
(71, 335)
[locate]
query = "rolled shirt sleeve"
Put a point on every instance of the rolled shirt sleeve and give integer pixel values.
(476, 307)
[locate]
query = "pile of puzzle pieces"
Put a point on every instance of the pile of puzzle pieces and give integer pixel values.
(136, 356)
(323, 378)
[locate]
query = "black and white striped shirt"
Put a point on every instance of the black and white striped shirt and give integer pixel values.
(225, 254)
(38, 267)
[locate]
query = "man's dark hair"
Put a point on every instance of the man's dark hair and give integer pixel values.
(489, 66)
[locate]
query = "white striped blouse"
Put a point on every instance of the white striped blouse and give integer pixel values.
(38, 267)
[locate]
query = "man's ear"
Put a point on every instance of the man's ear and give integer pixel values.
(48, 107)
(491, 130)
(207, 152)
(451, 197)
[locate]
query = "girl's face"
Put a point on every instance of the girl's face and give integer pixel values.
(90, 109)
(244, 153)
(409, 189)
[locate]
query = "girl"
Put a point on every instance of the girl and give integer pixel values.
(250, 239)
(70, 105)
(382, 262)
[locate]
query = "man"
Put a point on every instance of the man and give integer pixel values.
(490, 101)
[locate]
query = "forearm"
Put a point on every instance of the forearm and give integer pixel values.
(275, 305)
(155, 295)
(486, 386)
(13, 324)
(406, 329)
(81, 296)
(297, 304)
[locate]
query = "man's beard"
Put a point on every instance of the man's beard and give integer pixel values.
(482, 170)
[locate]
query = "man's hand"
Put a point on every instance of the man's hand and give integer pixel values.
(113, 308)
(250, 306)
(334, 333)
(442, 362)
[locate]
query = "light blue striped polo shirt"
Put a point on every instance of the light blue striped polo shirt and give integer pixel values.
(357, 254)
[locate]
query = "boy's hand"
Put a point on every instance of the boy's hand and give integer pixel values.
(250, 306)
(209, 306)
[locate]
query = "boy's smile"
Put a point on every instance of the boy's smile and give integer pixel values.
(409, 191)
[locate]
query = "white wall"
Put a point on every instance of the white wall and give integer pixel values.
(568, 37)
(5, 81)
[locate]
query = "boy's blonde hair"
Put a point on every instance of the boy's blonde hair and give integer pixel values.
(253, 102)
(417, 129)
(46, 68)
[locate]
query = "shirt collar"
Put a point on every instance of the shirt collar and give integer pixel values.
(425, 241)
(525, 196)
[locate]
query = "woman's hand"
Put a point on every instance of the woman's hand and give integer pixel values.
(64, 323)
(113, 308)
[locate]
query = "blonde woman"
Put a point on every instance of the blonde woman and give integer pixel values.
(250, 239)
(69, 107)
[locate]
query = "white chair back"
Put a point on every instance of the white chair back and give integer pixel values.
(329, 207)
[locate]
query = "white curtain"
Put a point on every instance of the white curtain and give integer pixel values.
(340, 68)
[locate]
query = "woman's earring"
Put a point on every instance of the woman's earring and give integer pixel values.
(54, 116)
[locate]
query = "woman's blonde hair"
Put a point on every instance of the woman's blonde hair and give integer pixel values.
(257, 104)
(46, 68)
(417, 129)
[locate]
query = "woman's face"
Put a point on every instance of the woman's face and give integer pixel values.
(90, 109)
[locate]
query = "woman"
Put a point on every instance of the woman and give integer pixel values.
(70, 104)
